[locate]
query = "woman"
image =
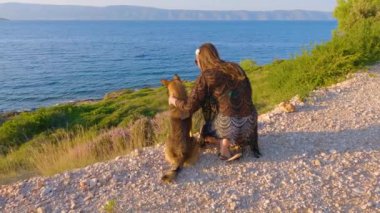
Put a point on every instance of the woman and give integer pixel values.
(224, 93)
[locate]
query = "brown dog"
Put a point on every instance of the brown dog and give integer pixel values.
(180, 149)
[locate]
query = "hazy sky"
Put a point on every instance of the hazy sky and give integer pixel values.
(324, 5)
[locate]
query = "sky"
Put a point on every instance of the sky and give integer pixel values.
(322, 5)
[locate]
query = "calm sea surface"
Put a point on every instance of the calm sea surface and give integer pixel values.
(44, 63)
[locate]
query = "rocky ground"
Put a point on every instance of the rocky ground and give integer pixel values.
(325, 157)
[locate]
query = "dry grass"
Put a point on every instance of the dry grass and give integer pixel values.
(90, 147)
(86, 148)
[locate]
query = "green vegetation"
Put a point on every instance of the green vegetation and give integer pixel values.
(355, 44)
(116, 109)
(54, 139)
(110, 206)
(69, 136)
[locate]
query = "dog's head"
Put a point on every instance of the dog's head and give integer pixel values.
(177, 90)
(175, 87)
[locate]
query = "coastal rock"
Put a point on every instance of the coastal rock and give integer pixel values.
(40, 210)
(72, 204)
(287, 107)
(317, 163)
(92, 183)
(232, 205)
(297, 101)
(83, 185)
(46, 191)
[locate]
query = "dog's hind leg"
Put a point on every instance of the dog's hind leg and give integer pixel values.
(169, 176)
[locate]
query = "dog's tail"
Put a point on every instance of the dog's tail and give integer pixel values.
(171, 175)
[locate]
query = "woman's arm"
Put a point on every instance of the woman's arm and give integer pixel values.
(196, 98)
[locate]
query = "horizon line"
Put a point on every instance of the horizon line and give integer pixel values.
(121, 5)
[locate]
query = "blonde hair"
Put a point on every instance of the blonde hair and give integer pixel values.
(208, 58)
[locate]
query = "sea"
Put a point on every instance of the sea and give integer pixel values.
(43, 63)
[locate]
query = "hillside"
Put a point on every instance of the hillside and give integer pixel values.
(323, 157)
(3, 19)
(18, 11)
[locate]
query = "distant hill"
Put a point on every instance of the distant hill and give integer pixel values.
(3, 19)
(20, 11)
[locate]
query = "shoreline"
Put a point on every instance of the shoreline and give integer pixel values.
(73, 102)
(79, 101)
(6, 115)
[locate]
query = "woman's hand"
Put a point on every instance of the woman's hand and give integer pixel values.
(172, 100)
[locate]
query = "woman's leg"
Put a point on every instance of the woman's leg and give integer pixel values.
(224, 148)
(223, 143)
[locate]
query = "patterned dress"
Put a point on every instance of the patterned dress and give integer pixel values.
(238, 129)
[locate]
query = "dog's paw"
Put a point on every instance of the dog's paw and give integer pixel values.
(166, 179)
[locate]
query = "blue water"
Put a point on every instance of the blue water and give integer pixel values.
(44, 63)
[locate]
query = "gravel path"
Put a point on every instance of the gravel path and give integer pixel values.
(323, 158)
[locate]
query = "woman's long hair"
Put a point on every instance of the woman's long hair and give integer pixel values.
(208, 58)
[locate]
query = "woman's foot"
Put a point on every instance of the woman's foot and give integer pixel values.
(222, 157)
(225, 152)
(235, 157)
(224, 148)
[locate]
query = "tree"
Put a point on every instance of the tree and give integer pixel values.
(359, 29)
(352, 12)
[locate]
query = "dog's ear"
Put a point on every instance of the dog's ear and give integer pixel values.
(165, 82)
(176, 77)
